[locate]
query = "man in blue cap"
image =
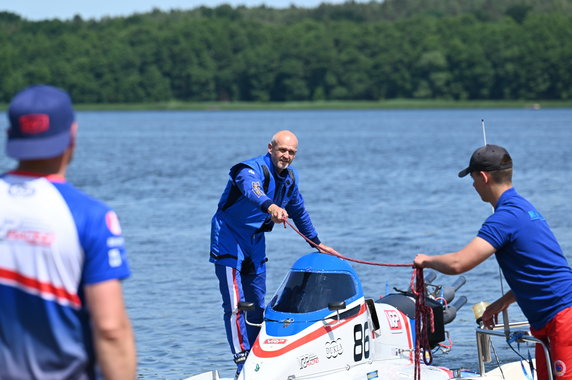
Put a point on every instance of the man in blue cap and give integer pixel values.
(260, 192)
(531, 259)
(62, 256)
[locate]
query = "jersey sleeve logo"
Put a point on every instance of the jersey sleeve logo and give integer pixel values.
(535, 215)
(112, 223)
(114, 256)
(256, 189)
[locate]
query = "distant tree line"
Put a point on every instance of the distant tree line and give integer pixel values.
(438, 49)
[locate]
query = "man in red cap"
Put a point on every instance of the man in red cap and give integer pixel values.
(62, 256)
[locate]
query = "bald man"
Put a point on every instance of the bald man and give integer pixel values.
(260, 192)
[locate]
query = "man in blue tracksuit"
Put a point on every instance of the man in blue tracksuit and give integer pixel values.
(260, 192)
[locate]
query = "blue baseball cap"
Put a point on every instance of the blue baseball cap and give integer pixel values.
(41, 119)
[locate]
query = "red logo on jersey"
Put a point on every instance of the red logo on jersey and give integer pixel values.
(34, 123)
(112, 223)
(32, 237)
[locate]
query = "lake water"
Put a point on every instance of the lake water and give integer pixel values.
(380, 186)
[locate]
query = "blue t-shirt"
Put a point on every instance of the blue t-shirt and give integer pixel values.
(530, 258)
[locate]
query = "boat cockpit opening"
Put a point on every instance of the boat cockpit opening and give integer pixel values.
(305, 292)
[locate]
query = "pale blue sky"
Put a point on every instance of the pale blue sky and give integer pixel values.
(87, 9)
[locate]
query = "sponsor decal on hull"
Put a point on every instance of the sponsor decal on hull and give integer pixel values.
(372, 375)
(334, 348)
(275, 341)
(308, 360)
(393, 320)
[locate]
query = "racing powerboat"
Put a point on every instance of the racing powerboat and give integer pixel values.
(320, 326)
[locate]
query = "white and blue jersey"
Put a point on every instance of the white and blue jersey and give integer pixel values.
(53, 240)
(530, 258)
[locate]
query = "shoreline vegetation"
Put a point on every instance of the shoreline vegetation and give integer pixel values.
(395, 104)
(434, 53)
(389, 104)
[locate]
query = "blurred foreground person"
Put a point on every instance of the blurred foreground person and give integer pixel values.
(62, 314)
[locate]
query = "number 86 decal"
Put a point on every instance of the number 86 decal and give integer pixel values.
(361, 342)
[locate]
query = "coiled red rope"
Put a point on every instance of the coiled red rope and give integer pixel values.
(423, 313)
(423, 322)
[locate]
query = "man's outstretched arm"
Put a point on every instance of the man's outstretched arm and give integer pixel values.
(474, 253)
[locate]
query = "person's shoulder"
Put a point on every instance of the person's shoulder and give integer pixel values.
(510, 212)
(255, 163)
(515, 203)
(243, 168)
(88, 211)
(250, 161)
(78, 199)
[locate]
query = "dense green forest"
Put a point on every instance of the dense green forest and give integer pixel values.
(417, 49)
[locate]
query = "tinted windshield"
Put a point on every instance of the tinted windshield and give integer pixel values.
(303, 292)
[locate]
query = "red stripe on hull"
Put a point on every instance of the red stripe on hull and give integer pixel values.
(261, 353)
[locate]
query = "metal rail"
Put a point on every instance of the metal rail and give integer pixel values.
(483, 347)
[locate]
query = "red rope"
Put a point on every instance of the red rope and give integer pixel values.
(423, 320)
(334, 253)
(423, 313)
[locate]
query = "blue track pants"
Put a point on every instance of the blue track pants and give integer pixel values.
(236, 287)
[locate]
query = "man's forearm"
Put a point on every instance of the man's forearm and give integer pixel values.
(116, 352)
(446, 264)
(112, 333)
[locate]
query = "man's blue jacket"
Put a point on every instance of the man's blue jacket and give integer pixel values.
(243, 208)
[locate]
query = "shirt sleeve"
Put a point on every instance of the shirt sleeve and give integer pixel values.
(100, 237)
(103, 244)
(297, 211)
(250, 185)
(498, 228)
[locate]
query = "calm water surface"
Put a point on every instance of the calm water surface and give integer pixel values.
(380, 186)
